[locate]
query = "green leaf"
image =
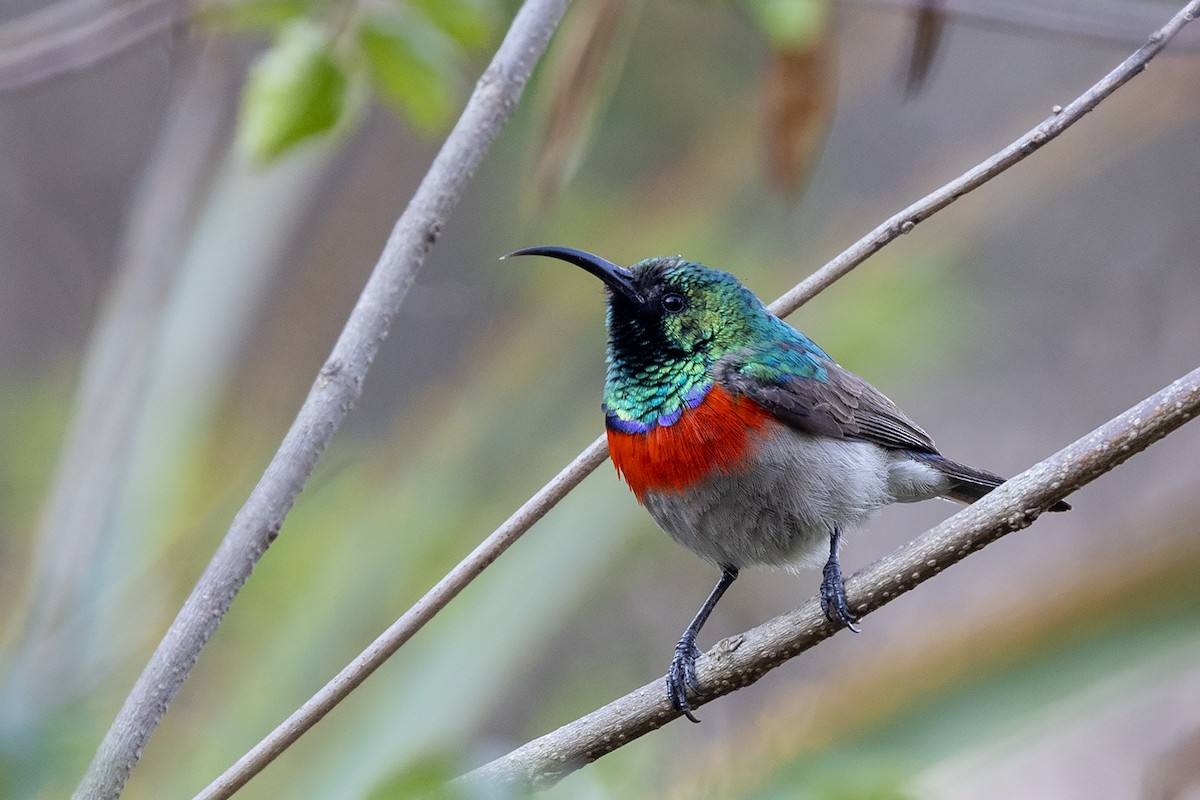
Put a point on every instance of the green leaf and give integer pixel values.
(790, 24)
(426, 778)
(468, 22)
(294, 92)
(407, 71)
(254, 14)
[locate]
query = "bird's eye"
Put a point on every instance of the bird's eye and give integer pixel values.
(673, 302)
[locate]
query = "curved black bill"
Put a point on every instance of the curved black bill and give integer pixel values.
(614, 276)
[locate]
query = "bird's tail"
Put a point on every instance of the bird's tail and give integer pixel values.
(970, 484)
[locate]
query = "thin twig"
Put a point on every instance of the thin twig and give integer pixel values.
(388, 642)
(1108, 21)
(351, 676)
(69, 37)
(1047, 130)
(337, 388)
(741, 660)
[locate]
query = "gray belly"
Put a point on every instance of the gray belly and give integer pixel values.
(781, 508)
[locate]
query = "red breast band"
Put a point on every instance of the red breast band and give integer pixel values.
(714, 435)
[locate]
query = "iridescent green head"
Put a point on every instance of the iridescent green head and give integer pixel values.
(669, 321)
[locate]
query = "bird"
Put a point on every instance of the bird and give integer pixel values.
(744, 440)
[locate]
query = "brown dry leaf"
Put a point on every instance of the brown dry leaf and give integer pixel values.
(798, 97)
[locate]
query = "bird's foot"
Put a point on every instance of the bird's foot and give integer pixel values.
(833, 596)
(682, 676)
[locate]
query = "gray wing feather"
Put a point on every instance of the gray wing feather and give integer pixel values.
(843, 406)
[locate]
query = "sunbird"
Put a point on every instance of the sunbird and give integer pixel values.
(744, 440)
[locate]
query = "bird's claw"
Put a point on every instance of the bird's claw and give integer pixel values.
(833, 597)
(681, 677)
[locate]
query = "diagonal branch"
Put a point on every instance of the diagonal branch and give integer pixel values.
(388, 642)
(336, 389)
(1112, 21)
(741, 660)
(70, 36)
(491, 548)
(1049, 129)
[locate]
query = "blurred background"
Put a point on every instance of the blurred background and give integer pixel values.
(181, 240)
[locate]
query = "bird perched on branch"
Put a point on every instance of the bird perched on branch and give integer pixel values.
(743, 439)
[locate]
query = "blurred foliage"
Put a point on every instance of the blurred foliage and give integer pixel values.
(408, 51)
(294, 92)
(669, 124)
(423, 778)
(791, 24)
(590, 54)
(412, 80)
(584, 65)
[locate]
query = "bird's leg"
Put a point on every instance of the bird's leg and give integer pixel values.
(833, 588)
(682, 674)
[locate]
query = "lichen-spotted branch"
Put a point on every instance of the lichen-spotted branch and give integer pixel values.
(740, 660)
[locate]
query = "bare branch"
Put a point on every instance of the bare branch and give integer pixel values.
(516, 525)
(1112, 21)
(388, 642)
(742, 659)
(337, 388)
(69, 36)
(1049, 129)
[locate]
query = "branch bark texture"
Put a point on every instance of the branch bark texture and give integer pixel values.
(336, 389)
(742, 659)
(400, 631)
(570, 476)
